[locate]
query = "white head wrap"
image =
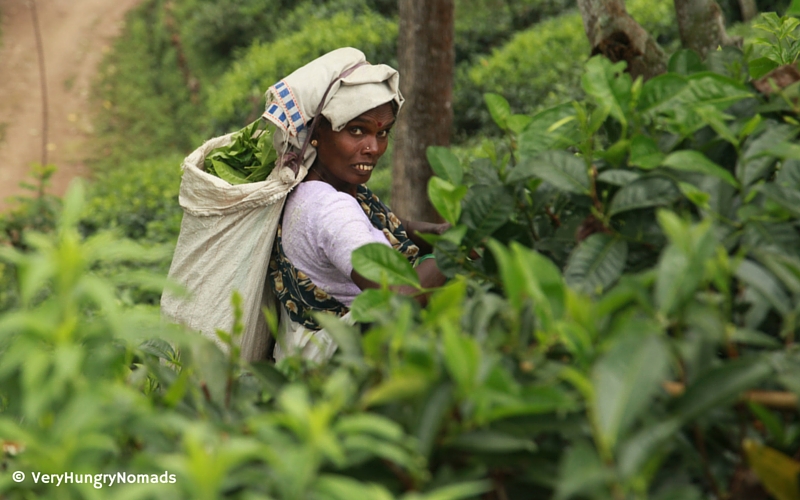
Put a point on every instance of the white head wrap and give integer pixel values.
(293, 102)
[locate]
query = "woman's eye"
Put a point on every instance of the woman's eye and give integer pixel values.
(383, 133)
(356, 131)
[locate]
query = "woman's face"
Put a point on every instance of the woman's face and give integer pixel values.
(346, 158)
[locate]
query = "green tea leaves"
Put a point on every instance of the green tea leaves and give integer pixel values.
(249, 157)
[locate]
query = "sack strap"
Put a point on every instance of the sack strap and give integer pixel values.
(292, 160)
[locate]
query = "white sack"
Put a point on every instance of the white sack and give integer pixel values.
(224, 245)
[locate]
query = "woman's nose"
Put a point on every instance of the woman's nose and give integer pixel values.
(370, 145)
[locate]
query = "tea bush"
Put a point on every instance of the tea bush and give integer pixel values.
(620, 323)
(239, 96)
(148, 107)
(538, 67)
(516, 381)
(212, 31)
(139, 201)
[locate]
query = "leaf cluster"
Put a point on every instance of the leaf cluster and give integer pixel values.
(250, 157)
(620, 323)
(781, 48)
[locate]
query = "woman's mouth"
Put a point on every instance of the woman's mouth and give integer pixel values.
(364, 167)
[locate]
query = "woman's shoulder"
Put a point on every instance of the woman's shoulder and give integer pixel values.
(320, 197)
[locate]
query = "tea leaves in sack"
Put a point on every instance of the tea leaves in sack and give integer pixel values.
(249, 157)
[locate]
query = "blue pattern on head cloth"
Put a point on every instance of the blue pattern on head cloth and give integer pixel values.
(285, 110)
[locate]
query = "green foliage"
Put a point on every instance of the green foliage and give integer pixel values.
(624, 269)
(538, 67)
(669, 204)
(36, 211)
(139, 202)
(149, 104)
(249, 158)
(482, 25)
(782, 47)
(679, 285)
(239, 96)
(211, 31)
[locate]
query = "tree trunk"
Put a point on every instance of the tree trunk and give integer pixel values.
(615, 34)
(426, 57)
(702, 26)
(748, 9)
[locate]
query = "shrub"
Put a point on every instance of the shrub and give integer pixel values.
(628, 330)
(147, 106)
(482, 25)
(239, 96)
(139, 201)
(541, 66)
(212, 31)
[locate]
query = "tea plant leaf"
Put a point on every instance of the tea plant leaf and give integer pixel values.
(642, 446)
(786, 198)
(345, 336)
(488, 441)
(446, 198)
(542, 281)
(498, 108)
(777, 472)
(518, 123)
(721, 385)
(560, 168)
(462, 356)
(537, 136)
(581, 471)
(660, 89)
(755, 338)
(336, 487)
(228, 174)
(596, 263)
(695, 161)
(509, 272)
(625, 379)
(486, 209)
(762, 280)
(756, 158)
(618, 177)
(445, 164)
(607, 83)
(681, 266)
(399, 386)
(379, 263)
(789, 174)
(432, 417)
(760, 67)
(685, 62)
(645, 153)
(453, 491)
(643, 193)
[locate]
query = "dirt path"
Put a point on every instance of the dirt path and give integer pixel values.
(76, 34)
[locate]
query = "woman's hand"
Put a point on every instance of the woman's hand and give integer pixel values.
(416, 228)
(429, 277)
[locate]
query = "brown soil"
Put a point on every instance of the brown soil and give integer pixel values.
(76, 34)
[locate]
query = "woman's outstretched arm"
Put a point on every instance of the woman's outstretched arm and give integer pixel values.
(429, 277)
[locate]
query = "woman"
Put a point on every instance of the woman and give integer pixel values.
(331, 213)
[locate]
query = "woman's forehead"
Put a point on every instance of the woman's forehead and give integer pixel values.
(380, 115)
